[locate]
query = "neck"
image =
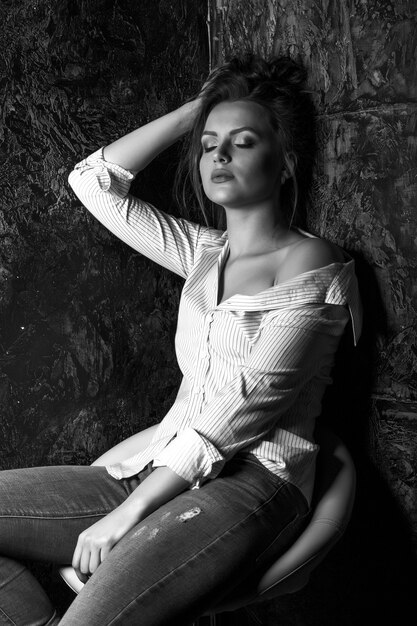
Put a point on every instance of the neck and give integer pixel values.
(252, 232)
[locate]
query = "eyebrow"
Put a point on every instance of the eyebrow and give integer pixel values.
(235, 131)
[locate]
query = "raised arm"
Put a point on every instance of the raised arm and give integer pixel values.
(102, 182)
(137, 149)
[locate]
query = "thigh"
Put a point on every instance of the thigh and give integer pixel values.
(44, 509)
(191, 552)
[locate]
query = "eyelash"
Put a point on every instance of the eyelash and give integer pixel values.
(239, 145)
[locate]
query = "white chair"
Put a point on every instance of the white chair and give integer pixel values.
(332, 505)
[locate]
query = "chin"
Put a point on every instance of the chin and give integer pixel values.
(225, 199)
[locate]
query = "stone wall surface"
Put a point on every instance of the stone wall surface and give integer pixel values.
(360, 56)
(361, 61)
(86, 323)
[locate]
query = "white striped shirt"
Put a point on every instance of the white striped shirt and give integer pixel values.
(254, 367)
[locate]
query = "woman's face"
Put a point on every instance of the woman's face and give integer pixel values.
(241, 161)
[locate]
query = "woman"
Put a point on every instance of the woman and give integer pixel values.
(185, 511)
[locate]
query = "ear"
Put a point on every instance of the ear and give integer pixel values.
(289, 165)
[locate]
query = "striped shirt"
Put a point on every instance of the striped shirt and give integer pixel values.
(254, 367)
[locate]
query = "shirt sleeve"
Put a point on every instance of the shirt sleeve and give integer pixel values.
(103, 188)
(292, 348)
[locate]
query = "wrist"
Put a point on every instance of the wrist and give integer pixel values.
(158, 488)
(133, 509)
(187, 115)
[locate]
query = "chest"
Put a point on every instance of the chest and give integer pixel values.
(248, 276)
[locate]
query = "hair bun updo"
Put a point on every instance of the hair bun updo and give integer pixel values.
(251, 75)
(287, 72)
(283, 71)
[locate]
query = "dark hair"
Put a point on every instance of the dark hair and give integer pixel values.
(276, 84)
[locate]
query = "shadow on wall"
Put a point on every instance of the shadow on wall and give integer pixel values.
(370, 577)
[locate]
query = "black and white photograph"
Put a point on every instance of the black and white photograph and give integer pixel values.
(208, 312)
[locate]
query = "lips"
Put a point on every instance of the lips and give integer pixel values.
(221, 176)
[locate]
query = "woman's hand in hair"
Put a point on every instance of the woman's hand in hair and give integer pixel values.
(137, 149)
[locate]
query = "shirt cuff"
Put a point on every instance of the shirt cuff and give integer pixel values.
(192, 457)
(110, 176)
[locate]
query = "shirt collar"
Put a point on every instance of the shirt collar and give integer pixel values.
(333, 284)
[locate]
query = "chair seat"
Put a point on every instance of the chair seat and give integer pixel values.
(332, 505)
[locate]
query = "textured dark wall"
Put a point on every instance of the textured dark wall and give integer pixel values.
(86, 324)
(361, 59)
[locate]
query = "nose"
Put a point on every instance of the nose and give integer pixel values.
(221, 155)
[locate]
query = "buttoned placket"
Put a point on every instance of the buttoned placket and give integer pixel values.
(203, 360)
(203, 355)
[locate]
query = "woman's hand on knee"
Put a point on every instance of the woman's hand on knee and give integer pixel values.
(95, 542)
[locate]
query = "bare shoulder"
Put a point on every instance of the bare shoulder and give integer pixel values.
(308, 254)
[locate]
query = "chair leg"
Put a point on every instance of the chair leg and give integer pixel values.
(206, 620)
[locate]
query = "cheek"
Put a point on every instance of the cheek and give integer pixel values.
(203, 166)
(266, 170)
(204, 173)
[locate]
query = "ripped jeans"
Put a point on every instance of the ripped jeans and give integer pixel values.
(169, 569)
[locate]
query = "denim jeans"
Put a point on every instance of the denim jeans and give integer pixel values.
(169, 569)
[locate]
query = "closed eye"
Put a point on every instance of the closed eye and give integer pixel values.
(208, 148)
(237, 144)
